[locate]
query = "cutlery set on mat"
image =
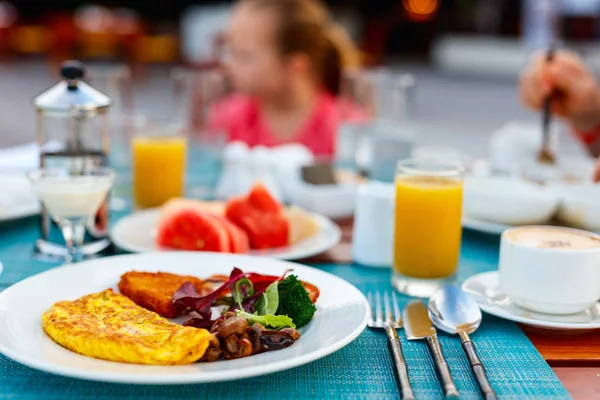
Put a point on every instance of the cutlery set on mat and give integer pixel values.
(451, 310)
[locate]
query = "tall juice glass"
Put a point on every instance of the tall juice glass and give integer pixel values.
(427, 231)
(158, 167)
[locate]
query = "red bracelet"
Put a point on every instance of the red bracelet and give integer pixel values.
(588, 137)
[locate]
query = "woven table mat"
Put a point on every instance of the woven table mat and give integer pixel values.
(361, 370)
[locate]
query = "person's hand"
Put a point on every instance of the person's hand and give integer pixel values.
(575, 94)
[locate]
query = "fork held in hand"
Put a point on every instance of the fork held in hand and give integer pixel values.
(384, 316)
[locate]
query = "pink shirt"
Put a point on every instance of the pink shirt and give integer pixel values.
(241, 119)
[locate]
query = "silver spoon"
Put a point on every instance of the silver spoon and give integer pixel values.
(455, 312)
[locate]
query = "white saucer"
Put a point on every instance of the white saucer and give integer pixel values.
(485, 289)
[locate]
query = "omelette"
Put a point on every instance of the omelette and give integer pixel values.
(109, 326)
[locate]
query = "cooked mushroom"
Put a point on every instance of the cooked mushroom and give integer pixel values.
(294, 334)
(245, 349)
(255, 334)
(221, 319)
(237, 348)
(214, 350)
(237, 339)
(232, 326)
(276, 340)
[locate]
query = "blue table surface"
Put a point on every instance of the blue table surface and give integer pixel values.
(361, 370)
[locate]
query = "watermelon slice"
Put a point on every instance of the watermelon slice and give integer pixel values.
(189, 229)
(260, 198)
(261, 217)
(238, 239)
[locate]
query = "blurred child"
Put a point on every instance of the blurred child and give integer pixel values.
(286, 59)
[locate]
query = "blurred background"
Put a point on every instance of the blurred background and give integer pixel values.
(465, 54)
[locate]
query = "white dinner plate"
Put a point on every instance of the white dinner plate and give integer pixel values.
(493, 228)
(342, 313)
(136, 233)
(485, 289)
(17, 199)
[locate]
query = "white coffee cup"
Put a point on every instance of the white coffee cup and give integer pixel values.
(373, 236)
(550, 269)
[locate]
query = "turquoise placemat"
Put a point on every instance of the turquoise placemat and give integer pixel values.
(362, 370)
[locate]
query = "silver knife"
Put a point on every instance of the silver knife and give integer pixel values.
(417, 325)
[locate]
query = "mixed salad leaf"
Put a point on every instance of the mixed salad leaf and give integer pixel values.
(188, 296)
(273, 321)
(273, 301)
(243, 290)
(269, 301)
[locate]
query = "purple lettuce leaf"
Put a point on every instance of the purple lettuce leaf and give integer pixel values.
(190, 298)
(199, 323)
(187, 297)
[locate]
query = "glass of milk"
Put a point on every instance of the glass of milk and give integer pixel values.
(73, 197)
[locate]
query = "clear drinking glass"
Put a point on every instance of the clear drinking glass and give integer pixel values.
(375, 144)
(116, 81)
(353, 145)
(427, 229)
(196, 93)
(73, 197)
(159, 154)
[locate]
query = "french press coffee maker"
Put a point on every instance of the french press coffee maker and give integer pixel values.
(72, 132)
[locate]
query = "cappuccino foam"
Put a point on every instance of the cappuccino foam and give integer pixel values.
(553, 238)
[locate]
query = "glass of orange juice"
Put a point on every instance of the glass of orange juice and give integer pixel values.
(427, 227)
(159, 163)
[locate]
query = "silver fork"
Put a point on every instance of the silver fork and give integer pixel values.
(382, 317)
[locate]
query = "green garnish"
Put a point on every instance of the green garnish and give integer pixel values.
(243, 290)
(269, 301)
(294, 301)
(273, 321)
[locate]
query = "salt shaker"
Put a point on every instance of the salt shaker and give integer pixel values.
(261, 165)
(373, 236)
(236, 178)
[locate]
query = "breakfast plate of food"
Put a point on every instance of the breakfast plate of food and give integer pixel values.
(178, 317)
(256, 224)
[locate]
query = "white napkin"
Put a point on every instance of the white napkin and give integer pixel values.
(17, 197)
(20, 158)
(23, 158)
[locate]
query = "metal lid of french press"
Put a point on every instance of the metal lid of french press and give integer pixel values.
(72, 94)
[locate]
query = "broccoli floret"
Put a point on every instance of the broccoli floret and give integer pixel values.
(294, 301)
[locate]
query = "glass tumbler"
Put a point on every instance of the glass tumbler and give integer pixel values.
(427, 226)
